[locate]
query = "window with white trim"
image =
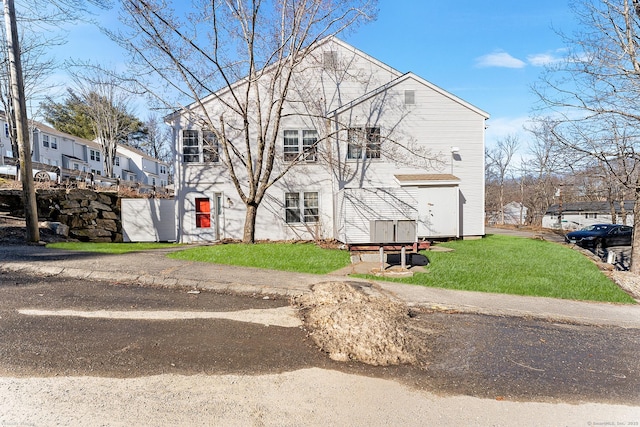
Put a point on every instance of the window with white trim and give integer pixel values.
(200, 146)
(209, 147)
(190, 146)
(54, 142)
(94, 155)
(300, 141)
(363, 143)
(301, 207)
(45, 141)
(116, 161)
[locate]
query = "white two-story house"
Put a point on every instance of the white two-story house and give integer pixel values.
(372, 155)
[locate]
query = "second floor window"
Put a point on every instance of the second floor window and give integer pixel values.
(54, 142)
(209, 147)
(195, 150)
(292, 147)
(45, 141)
(363, 143)
(116, 161)
(190, 146)
(94, 155)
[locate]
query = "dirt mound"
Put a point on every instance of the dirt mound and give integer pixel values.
(353, 321)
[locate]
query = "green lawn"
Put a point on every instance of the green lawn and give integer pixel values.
(499, 264)
(518, 266)
(300, 257)
(109, 248)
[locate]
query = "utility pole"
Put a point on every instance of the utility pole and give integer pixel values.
(559, 195)
(22, 125)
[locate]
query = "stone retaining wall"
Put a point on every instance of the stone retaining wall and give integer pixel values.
(85, 215)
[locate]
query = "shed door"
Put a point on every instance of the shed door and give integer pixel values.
(438, 212)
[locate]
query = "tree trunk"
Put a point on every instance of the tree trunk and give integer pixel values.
(249, 235)
(22, 125)
(501, 201)
(612, 211)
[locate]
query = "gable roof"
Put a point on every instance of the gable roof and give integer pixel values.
(322, 42)
(402, 79)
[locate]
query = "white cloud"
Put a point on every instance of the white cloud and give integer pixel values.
(542, 59)
(499, 59)
(501, 127)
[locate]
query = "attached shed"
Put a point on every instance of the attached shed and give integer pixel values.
(422, 206)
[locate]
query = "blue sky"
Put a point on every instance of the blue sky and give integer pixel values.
(487, 53)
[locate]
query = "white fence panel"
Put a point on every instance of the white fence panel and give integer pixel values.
(148, 220)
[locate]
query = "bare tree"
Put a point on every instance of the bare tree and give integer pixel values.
(500, 164)
(39, 23)
(37, 67)
(545, 171)
(107, 105)
(252, 49)
(156, 139)
(594, 94)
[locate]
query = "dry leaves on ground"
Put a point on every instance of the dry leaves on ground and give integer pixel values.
(352, 321)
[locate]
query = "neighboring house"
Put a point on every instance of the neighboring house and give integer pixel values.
(515, 213)
(76, 155)
(577, 215)
(393, 158)
(133, 165)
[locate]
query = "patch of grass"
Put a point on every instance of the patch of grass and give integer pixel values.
(299, 257)
(518, 266)
(109, 248)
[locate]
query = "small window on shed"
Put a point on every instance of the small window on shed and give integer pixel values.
(409, 97)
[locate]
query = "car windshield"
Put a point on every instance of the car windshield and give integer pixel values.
(597, 227)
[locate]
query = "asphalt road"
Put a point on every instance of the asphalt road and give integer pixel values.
(473, 355)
